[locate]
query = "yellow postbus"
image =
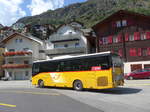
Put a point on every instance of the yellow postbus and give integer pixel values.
(93, 71)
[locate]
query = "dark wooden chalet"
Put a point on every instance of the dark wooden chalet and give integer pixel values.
(126, 33)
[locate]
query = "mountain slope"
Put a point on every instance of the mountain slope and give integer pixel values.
(89, 12)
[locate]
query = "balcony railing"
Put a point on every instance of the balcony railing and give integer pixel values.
(58, 37)
(17, 53)
(58, 51)
(13, 66)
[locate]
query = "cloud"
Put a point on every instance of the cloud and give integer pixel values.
(38, 6)
(10, 11)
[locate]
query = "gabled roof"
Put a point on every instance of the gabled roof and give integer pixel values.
(120, 13)
(68, 24)
(29, 37)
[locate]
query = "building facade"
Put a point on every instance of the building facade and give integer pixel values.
(39, 31)
(1, 62)
(20, 52)
(69, 39)
(128, 34)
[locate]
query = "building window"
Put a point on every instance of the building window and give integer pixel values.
(26, 73)
(11, 50)
(26, 49)
(66, 45)
(26, 62)
(76, 44)
(70, 32)
(143, 36)
(118, 24)
(20, 40)
(16, 40)
(105, 40)
(41, 51)
(144, 52)
(10, 74)
(115, 39)
(10, 62)
(124, 23)
(55, 46)
(131, 38)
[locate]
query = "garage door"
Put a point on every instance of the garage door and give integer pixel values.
(19, 76)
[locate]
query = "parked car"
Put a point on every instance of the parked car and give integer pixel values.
(138, 74)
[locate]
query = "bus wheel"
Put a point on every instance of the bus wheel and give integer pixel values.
(77, 85)
(40, 83)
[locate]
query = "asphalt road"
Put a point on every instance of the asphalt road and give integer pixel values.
(40, 100)
(133, 97)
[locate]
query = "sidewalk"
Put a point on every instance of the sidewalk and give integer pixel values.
(16, 84)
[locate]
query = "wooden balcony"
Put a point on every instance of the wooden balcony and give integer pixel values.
(62, 51)
(17, 53)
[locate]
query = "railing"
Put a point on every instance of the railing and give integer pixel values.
(65, 51)
(12, 66)
(59, 37)
(17, 53)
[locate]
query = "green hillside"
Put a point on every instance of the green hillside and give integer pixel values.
(89, 12)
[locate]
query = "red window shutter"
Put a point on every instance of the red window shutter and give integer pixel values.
(127, 37)
(110, 39)
(136, 35)
(134, 52)
(148, 51)
(130, 52)
(139, 52)
(147, 35)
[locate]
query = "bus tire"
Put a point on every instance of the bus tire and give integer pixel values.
(40, 83)
(77, 85)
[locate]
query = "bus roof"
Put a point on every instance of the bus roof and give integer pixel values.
(78, 56)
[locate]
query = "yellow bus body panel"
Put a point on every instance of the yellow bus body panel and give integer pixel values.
(91, 79)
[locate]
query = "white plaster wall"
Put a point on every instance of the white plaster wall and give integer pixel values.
(20, 72)
(26, 43)
(63, 31)
(70, 44)
(11, 44)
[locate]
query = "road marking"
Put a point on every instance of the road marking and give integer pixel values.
(7, 105)
(137, 84)
(29, 92)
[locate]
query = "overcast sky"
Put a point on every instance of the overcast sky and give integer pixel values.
(12, 10)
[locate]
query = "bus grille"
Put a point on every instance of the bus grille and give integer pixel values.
(102, 81)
